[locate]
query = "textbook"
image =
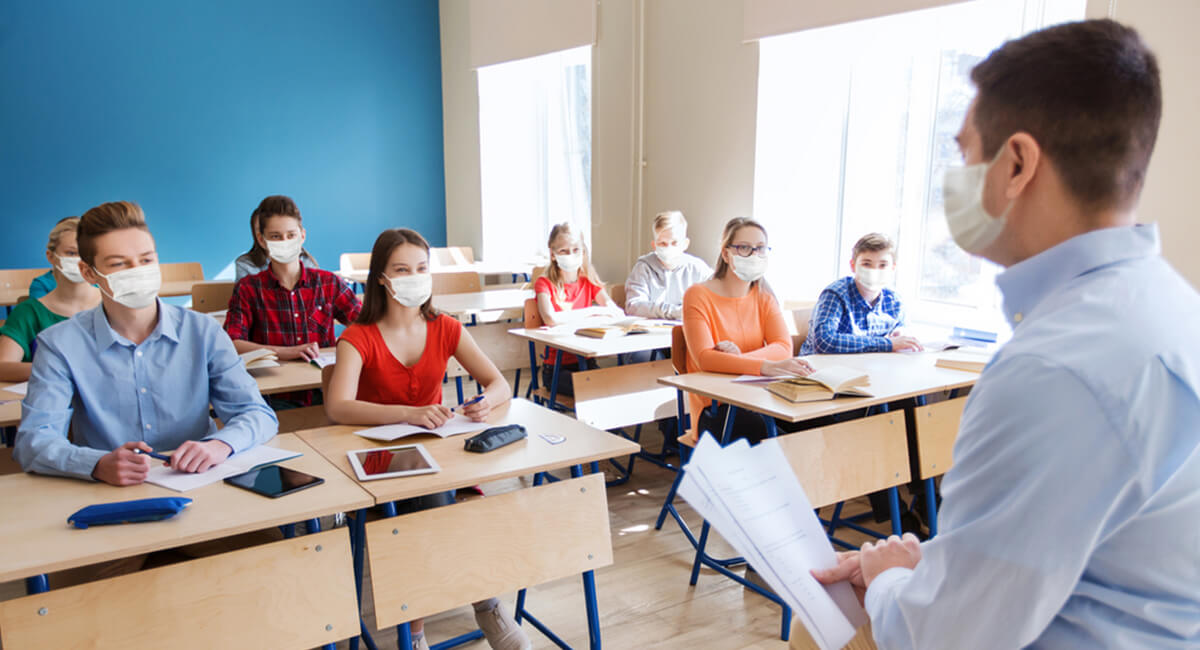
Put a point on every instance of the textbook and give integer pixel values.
(625, 327)
(260, 358)
(822, 384)
(325, 359)
(968, 360)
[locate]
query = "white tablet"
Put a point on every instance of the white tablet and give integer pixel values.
(391, 462)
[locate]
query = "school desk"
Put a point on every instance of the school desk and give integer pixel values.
(10, 406)
(515, 540)
(478, 303)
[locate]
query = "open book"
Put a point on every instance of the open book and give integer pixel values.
(252, 458)
(754, 500)
(625, 327)
(260, 358)
(325, 359)
(823, 384)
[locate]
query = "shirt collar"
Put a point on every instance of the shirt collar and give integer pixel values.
(1026, 283)
(106, 336)
(273, 282)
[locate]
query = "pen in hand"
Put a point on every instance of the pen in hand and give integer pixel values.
(467, 403)
(153, 455)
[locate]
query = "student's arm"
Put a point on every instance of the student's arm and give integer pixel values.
(604, 300)
(639, 293)
(42, 444)
(496, 390)
(346, 305)
(343, 406)
(777, 343)
(235, 397)
(702, 346)
(11, 366)
(826, 321)
(1013, 472)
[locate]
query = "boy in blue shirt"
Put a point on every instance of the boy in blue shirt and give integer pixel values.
(858, 313)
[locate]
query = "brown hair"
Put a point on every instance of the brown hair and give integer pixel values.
(873, 242)
(276, 205)
(1088, 93)
(103, 219)
(555, 274)
(731, 228)
(64, 225)
(375, 297)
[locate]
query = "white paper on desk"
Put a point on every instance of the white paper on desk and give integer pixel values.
(752, 497)
(19, 389)
(455, 426)
(253, 458)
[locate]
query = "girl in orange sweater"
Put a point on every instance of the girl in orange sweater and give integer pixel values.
(732, 323)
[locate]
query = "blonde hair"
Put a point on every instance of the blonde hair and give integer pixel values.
(555, 274)
(873, 243)
(64, 225)
(669, 219)
(731, 228)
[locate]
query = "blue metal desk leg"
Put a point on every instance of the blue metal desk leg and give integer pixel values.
(554, 378)
(728, 430)
(593, 612)
(37, 585)
(403, 637)
(931, 506)
(894, 506)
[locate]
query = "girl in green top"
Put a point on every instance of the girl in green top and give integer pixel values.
(70, 296)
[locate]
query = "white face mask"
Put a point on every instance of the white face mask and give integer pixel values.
(569, 263)
(873, 280)
(69, 267)
(750, 268)
(669, 255)
(135, 288)
(970, 224)
(285, 251)
(411, 290)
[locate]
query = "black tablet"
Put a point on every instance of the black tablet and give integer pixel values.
(274, 481)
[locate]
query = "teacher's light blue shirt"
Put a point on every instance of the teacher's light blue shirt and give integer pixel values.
(1071, 518)
(110, 391)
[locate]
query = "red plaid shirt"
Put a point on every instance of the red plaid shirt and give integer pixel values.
(262, 311)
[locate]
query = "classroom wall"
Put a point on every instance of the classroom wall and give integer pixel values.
(197, 110)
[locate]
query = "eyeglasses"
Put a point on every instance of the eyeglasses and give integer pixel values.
(746, 250)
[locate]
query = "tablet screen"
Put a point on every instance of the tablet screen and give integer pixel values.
(274, 480)
(387, 461)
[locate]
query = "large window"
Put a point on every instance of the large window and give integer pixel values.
(535, 144)
(856, 125)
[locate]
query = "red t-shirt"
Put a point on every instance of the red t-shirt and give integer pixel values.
(579, 294)
(384, 380)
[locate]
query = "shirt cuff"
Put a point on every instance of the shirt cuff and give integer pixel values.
(82, 461)
(881, 344)
(880, 593)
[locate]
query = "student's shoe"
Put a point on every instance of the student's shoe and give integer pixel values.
(501, 631)
(755, 578)
(420, 643)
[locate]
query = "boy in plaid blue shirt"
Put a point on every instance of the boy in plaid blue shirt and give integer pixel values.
(858, 313)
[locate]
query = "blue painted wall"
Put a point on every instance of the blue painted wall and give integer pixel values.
(198, 109)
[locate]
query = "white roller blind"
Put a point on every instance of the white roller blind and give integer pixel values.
(763, 18)
(506, 30)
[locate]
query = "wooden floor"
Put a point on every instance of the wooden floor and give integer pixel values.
(644, 597)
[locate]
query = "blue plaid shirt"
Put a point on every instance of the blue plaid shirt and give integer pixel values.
(843, 322)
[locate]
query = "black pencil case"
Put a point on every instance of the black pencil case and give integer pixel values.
(494, 438)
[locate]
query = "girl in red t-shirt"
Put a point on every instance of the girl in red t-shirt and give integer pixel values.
(570, 284)
(390, 365)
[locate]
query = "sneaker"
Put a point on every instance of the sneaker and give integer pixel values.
(501, 631)
(420, 644)
(756, 579)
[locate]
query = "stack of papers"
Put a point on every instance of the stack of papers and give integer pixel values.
(753, 499)
(253, 458)
(260, 358)
(455, 426)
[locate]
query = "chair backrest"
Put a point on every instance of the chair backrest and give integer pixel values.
(211, 296)
(457, 282)
(801, 318)
(16, 281)
(678, 350)
(617, 293)
(312, 602)
(623, 396)
(349, 262)
(505, 350)
(537, 272)
(451, 256)
(532, 536)
(533, 320)
(181, 271)
(305, 417)
(8, 464)
(937, 429)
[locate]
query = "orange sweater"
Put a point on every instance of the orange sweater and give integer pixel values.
(753, 322)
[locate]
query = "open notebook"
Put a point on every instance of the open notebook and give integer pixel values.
(253, 458)
(455, 426)
(823, 384)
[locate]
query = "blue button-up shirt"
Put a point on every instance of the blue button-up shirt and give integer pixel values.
(1071, 517)
(110, 391)
(843, 322)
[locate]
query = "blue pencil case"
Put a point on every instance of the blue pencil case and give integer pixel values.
(128, 512)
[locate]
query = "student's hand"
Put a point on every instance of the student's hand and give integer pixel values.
(429, 417)
(123, 467)
(304, 351)
(906, 343)
(848, 568)
(199, 456)
(478, 411)
(890, 553)
(786, 368)
(728, 347)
